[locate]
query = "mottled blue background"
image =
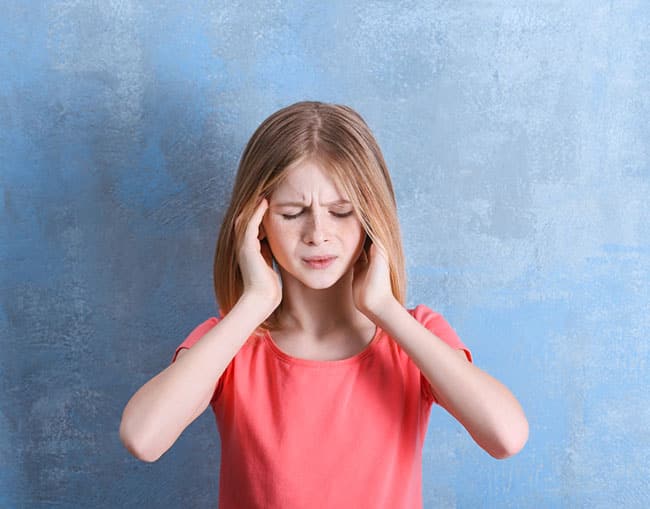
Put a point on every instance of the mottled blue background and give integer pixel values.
(517, 135)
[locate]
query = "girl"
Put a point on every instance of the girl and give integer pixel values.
(320, 379)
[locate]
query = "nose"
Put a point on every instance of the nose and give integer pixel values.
(315, 229)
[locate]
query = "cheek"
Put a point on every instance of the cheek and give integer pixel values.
(362, 240)
(278, 231)
(358, 236)
(271, 224)
(280, 228)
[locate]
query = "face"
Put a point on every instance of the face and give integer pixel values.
(309, 217)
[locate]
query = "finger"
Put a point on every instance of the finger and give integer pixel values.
(380, 250)
(257, 216)
(260, 210)
(262, 206)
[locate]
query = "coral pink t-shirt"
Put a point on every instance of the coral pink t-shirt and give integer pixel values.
(299, 433)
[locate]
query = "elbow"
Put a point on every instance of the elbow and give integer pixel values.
(134, 446)
(512, 443)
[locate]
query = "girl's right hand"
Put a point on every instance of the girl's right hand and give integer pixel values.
(255, 260)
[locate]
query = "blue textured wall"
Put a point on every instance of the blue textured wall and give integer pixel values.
(517, 134)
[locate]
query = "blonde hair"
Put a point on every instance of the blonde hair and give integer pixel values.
(339, 139)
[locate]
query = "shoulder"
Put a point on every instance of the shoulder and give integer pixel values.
(204, 327)
(423, 313)
(440, 327)
(196, 333)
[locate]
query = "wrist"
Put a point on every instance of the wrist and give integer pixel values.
(383, 309)
(254, 306)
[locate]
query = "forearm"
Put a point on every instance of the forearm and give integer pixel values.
(482, 404)
(162, 408)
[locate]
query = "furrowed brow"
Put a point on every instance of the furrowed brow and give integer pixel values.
(299, 204)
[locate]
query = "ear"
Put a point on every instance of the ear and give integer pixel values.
(262, 233)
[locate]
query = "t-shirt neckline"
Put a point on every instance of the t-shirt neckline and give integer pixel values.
(369, 348)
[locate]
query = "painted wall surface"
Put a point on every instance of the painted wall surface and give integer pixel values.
(517, 136)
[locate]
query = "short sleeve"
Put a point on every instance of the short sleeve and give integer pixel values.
(197, 333)
(437, 324)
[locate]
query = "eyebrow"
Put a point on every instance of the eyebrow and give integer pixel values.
(299, 204)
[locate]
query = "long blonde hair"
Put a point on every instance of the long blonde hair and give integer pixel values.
(339, 139)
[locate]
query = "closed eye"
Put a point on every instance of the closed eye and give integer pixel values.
(289, 216)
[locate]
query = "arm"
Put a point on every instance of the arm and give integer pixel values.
(484, 406)
(161, 409)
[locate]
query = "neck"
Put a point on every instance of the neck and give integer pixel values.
(318, 312)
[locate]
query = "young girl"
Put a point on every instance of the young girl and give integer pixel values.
(320, 379)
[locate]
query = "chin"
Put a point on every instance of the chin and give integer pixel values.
(317, 281)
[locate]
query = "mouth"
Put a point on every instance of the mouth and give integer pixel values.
(319, 258)
(319, 262)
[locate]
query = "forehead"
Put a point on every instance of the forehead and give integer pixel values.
(305, 179)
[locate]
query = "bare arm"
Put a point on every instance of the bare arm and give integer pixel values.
(161, 409)
(483, 405)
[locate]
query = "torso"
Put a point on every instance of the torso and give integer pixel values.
(337, 347)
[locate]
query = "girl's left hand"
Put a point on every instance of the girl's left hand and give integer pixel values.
(371, 286)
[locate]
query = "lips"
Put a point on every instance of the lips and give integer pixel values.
(319, 262)
(319, 258)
